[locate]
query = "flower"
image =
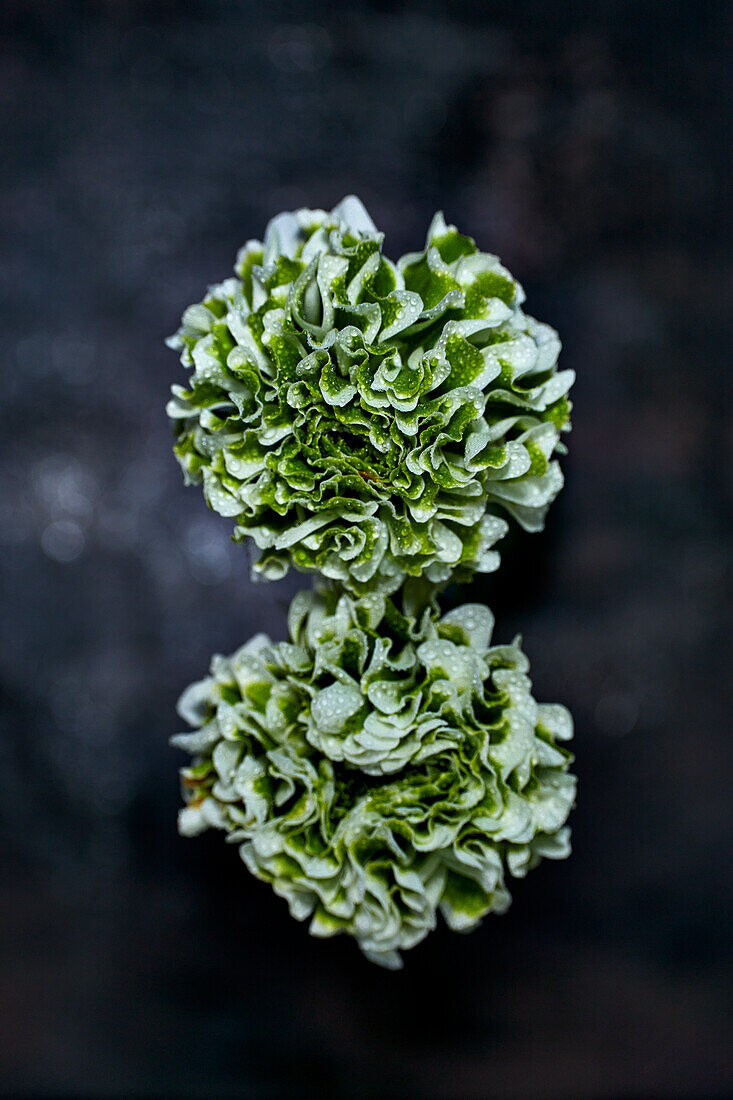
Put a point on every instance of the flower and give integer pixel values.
(369, 420)
(381, 765)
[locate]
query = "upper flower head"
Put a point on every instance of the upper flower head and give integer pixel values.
(364, 419)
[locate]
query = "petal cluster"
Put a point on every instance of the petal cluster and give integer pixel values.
(382, 765)
(364, 419)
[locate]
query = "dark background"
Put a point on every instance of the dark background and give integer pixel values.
(144, 142)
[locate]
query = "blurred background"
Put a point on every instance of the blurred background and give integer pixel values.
(586, 144)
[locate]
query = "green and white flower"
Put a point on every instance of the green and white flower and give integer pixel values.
(368, 420)
(381, 765)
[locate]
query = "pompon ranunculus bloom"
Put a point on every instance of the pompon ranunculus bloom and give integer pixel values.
(380, 766)
(368, 420)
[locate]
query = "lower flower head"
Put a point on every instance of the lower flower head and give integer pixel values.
(381, 765)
